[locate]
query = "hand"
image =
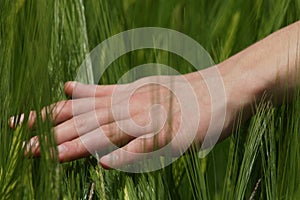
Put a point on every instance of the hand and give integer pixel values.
(98, 116)
(139, 117)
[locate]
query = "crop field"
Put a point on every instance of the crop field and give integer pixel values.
(42, 45)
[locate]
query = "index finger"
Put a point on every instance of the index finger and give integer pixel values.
(80, 90)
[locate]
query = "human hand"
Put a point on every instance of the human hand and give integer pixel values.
(88, 124)
(121, 123)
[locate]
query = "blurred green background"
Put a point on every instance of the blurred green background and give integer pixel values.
(42, 44)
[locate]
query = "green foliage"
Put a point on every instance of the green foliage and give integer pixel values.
(42, 44)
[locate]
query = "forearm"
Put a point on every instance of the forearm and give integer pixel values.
(270, 65)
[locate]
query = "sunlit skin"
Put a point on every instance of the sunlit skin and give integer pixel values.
(262, 67)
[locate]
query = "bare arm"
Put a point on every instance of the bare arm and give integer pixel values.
(269, 65)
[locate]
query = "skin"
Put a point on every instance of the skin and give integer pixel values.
(264, 67)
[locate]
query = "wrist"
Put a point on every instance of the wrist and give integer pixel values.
(244, 85)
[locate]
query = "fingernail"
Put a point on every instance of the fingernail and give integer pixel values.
(109, 160)
(32, 142)
(22, 116)
(23, 145)
(13, 120)
(104, 162)
(71, 84)
(31, 146)
(61, 148)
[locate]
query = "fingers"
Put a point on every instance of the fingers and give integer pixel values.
(101, 141)
(97, 142)
(72, 150)
(77, 121)
(32, 146)
(70, 133)
(104, 118)
(81, 124)
(137, 150)
(16, 120)
(63, 110)
(89, 138)
(79, 90)
(57, 112)
(132, 152)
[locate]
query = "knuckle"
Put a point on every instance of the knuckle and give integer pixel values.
(74, 147)
(63, 108)
(80, 125)
(114, 134)
(108, 130)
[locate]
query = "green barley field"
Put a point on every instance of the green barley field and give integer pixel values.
(43, 43)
